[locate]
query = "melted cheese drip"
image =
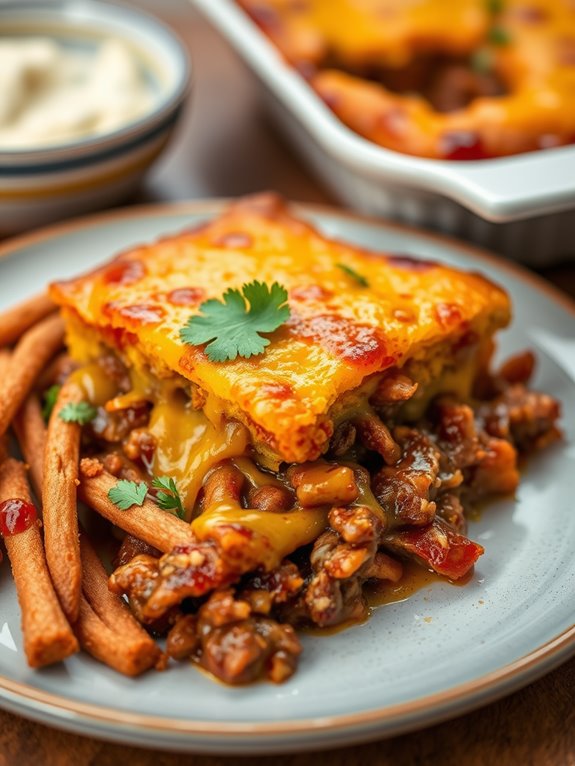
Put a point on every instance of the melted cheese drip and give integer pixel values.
(275, 535)
(188, 444)
(98, 388)
(254, 476)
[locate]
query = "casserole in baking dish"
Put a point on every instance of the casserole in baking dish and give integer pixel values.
(493, 202)
(445, 79)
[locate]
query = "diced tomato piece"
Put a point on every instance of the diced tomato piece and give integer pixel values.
(447, 552)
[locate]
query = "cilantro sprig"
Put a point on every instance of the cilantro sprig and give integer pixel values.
(124, 494)
(232, 327)
(494, 7)
(498, 36)
(49, 400)
(168, 497)
(353, 274)
(78, 412)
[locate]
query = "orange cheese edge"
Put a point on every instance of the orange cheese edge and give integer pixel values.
(340, 335)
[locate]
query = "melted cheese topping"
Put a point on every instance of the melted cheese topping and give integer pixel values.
(338, 337)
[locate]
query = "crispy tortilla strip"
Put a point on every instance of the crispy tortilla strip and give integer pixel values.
(4, 362)
(140, 651)
(56, 372)
(60, 513)
(158, 528)
(48, 637)
(31, 434)
(108, 646)
(16, 320)
(35, 348)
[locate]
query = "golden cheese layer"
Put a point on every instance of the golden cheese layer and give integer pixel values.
(360, 32)
(340, 335)
(528, 44)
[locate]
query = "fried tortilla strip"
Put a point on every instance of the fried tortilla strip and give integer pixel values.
(48, 637)
(146, 522)
(33, 351)
(31, 434)
(106, 645)
(16, 320)
(56, 372)
(136, 650)
(59, 503)
(4, 362)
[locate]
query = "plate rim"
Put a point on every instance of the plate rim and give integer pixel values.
(399, 717)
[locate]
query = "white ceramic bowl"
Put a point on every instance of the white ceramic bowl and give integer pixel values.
(49, 183)
(521, 206)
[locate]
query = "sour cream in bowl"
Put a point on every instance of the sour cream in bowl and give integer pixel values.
(90, 93)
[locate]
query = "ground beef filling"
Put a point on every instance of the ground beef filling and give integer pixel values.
(394, 491)
(447, 83)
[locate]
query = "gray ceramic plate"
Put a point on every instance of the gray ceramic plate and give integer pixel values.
(438, 654)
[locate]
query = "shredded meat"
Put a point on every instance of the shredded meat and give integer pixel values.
(375, 435)
(342, 559)
(115, 370)
(448, 83)
(456, 432)
(496, 472)
(189, 570)
(526, 418)
(393, 388)
(140, 445)
(235, 645)
(132, 547)
(115, 427)
(343, 438)
(518, 368)
(183, 639)
(137, 580)
(406, 489)
(451, 510)
(266, 590)
(454, 86)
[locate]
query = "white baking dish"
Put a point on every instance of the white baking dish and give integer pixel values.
(522, 206)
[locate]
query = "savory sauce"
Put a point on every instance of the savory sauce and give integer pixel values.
(384, 593)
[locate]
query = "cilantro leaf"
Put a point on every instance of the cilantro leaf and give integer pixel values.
(168, 498)
(124, 494)
(498, 36)
(50, 396)
(231, 328)
(494, 7)
(356, 276)
(482, 61)
(78, 412)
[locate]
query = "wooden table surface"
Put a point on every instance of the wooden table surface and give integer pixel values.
(224, 148)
